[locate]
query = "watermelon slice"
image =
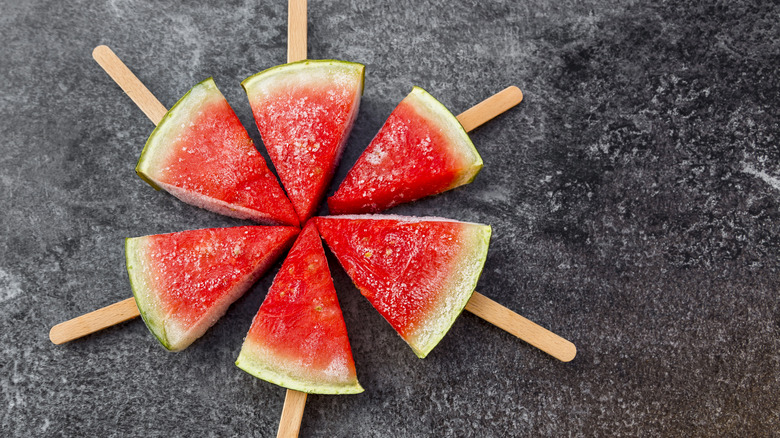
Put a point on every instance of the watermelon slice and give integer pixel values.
(419, 273)
(298, 338)
(421, 150)
(184, 282)
(305, 111)
(201, 154)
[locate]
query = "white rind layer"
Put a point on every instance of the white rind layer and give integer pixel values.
(460, 287)
(397, 217)
(297, 74)
(287, 374)
(216, 205)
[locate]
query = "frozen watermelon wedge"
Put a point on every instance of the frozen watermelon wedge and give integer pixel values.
(421, 150)
(298, 338)
(201, 154)
(419, 273)
(184, 282)
(305, 111)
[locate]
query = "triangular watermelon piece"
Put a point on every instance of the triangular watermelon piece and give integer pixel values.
(201, 154)
(305, 111)
(421, 150)
(298, 338)
(184, 282)
(419, 273)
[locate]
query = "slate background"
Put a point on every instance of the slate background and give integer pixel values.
(633, 194)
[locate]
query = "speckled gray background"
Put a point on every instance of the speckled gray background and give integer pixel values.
(634, 197)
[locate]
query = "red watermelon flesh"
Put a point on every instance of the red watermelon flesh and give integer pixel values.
(421, 150)
(184, 282)
(201, 154)
(305, 112)
(298, 338)
(419, 273)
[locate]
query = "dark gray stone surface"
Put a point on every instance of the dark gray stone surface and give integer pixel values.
(634, 197)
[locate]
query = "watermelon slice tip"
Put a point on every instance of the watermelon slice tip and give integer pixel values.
(184, 282)
(421, 150)
(298, 339)
(201, 154)
(419, 273)
(305, 111)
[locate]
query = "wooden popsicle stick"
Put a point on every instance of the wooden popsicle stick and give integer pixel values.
(296, 30)
(294, 401)
(129, 83)
(292, 414)
(521, 327)
(126, 309)
(489, 108)
(94, 321)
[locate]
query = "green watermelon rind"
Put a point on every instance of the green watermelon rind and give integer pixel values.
(475, 256)
(249, 83)
(454, 131)
(246, 361)
(133, 250)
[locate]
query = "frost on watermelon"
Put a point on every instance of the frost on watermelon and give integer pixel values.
(298, 338)
(419, 273)
(184, 282)
(201, 154)
(421, 150)
(305, 111)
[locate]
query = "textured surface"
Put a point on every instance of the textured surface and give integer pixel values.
(634, 197)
